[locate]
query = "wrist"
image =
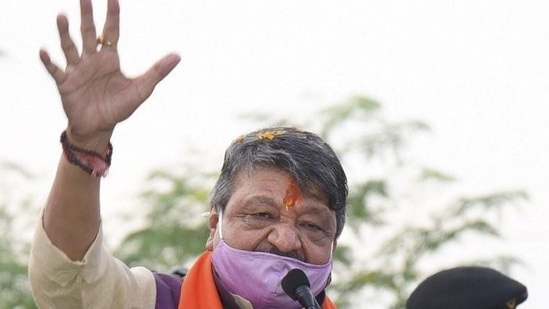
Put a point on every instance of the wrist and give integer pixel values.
(92, 162)
(96, 142)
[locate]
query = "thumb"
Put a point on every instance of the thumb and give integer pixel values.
(156, 73)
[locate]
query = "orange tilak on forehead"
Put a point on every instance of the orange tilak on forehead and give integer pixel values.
(293, 194)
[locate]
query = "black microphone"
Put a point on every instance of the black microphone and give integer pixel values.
(297, 286)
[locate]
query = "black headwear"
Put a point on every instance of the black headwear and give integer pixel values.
(468, 287)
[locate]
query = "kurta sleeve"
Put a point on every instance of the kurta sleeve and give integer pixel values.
(97, 281)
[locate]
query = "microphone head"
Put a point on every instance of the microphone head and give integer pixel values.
(294, 279)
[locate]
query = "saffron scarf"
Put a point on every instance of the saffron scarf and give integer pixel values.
(199, 291)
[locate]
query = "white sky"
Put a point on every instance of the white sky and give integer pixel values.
(476, 71)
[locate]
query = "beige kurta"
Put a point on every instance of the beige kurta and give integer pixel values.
(98, 281)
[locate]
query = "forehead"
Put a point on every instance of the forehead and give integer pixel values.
(273, 179)
(277, 185)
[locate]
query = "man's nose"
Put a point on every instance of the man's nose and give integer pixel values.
(285, 237)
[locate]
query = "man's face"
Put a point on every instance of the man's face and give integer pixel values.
(268, 212)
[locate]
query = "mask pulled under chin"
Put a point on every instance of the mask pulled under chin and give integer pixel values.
(257, 276)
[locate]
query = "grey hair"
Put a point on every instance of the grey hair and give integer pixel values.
(304, 155)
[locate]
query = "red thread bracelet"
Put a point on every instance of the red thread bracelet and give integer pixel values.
(94, 163)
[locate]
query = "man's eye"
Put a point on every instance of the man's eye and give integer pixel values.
(313, 231)
(259, 220)
(312, 227)
(262, 215)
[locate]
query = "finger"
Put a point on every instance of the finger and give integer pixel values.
(111, 30)
(67, 44)
(87, 27)
(54, 70)
(147, 81)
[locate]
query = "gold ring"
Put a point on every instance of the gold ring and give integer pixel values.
(101, 41)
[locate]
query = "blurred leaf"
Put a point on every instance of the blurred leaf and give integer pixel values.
(429, 174)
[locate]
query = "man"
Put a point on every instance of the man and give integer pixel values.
(471, 287)
(279, 203)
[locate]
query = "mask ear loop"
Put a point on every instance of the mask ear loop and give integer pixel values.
(220, 222)
(220, 225)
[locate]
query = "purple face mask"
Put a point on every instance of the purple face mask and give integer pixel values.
(256, 276)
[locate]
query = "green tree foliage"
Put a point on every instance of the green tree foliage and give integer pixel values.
(402, 215)
(14, 247)
(174, 229)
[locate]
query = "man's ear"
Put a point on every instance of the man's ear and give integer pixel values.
(212, 226)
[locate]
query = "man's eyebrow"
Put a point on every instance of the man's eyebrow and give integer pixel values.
(318, 210)
(260, 200)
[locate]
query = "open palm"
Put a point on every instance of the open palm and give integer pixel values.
(94, 92)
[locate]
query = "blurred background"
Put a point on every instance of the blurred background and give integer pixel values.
(438, 109)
